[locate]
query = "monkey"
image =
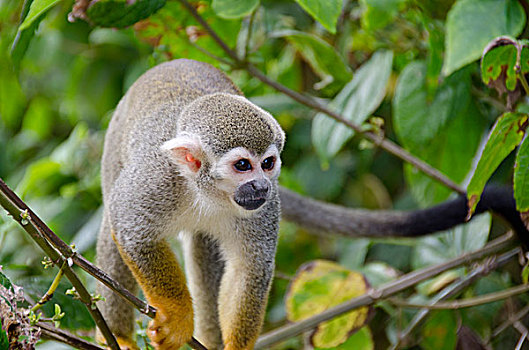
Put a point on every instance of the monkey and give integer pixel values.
(187, 155)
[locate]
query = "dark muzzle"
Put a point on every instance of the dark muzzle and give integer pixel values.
(252, 194)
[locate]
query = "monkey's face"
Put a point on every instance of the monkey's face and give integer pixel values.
(247, 177)
(239, 176)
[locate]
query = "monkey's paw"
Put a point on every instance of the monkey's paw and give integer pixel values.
(126, 344)
(172, 327)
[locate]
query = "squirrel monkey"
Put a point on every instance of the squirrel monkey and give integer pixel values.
(186, 153)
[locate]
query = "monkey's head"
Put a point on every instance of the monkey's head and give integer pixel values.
(229, 148)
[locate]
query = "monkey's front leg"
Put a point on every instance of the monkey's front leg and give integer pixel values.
(154, 266)
(244, 290)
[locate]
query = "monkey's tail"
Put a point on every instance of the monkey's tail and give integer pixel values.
(319, 216)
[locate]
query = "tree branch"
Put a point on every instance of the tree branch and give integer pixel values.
(78, 259)
(42, 234)
(49, 293)
(385, 291)
(523, 331)
(246, 47)
(454, 289)
(469, 302)
(510, 321)
(385, 144)
(28, 220)
(53, 333)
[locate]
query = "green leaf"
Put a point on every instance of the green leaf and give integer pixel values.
(121, 13)
(309, 173)
(521, 176)
(471, 24)
(176, 43)
(361, 340)
(319, 285)
(356, 102)
(379, 13)
(451, 152)
(525, 274)
(521, 181)
(436, 249)
(324, 11)
(4, 342)
(440, 331)
(76, 314)
(39, 118)
(231, 9)
(444, 130)
(37, 9)
(417, 117)
(354, 252)
(12, 99)
(378, 273)
(439, 282)
(322, 57)
(479, 316)
(40, 177)
(500, 59)
(71, 154)
(32, 13)
(4, 281)
(435, 54)
(506, 134)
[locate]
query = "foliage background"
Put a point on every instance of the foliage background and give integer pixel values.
(56, 102)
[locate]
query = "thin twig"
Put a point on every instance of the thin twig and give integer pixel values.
(523, 331)
(211, 32)
(108, 281)
(385, 144)
(49, 293)
(57, 334)
(522, 79)
(510, 321)
(489, 99)
(78, 259)
(249, 35)
(469, 302)
(518, 68)
(208, 53)
(27, 219)
(385, 291)
(454, 289)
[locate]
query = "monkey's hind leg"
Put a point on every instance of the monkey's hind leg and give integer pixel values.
(118, 313)
(204, 269)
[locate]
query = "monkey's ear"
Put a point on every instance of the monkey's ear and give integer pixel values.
(186, 151)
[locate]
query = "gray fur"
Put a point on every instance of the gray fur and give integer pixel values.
(204, 269)
(253, 132)
(146, 198)
(118, 271)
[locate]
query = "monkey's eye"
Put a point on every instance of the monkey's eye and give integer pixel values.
(268, 163)
(243, 165)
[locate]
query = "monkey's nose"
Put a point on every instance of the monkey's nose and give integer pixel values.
(253, 194)
(260, 187)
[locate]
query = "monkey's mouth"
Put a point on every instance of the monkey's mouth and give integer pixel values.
(250, 203)
(252, 194)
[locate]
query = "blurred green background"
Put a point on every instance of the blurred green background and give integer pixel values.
(57, 98)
